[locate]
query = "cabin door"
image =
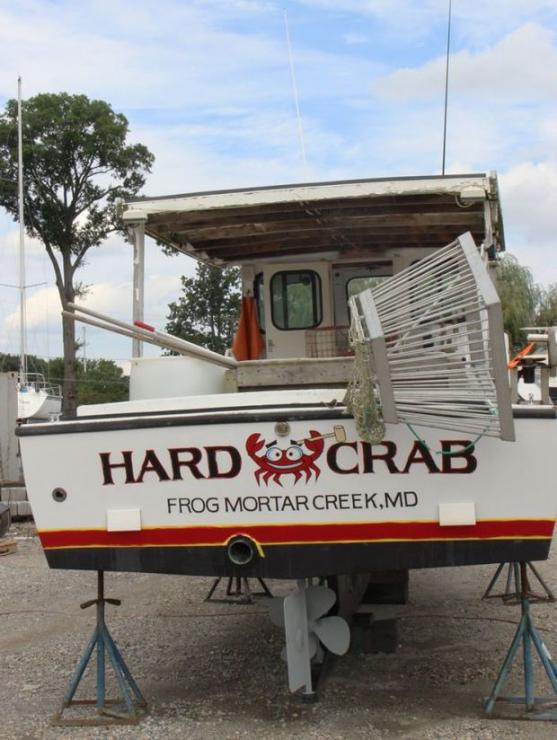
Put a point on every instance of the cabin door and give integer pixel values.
(348, 280)
(297, 298)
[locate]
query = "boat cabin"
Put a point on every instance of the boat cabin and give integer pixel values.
(304, 249)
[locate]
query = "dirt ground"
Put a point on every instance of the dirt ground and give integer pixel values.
(213, 670)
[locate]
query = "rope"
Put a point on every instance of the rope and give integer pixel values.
(448, 453)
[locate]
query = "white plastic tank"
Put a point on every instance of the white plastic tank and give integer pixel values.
(165, 377)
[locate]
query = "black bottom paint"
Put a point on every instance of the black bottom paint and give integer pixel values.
(300, 561)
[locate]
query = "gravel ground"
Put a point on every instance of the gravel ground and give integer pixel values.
(213, 671)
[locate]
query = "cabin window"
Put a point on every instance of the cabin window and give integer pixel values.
(259, 295)
(356, 284)
(296, 299)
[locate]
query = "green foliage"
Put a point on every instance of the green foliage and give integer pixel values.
(77, 163)
(207, 310)
(547, 308)
(520, 297)
(102, 381)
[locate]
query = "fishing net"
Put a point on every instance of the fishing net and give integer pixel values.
(360, 398)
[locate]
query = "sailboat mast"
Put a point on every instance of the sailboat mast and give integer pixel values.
(22, 339)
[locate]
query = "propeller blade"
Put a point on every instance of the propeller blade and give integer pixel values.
(319, 601)
(334, 633)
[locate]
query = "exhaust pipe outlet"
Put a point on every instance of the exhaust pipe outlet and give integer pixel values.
(241, 550)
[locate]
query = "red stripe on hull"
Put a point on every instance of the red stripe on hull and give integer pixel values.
(300, 534)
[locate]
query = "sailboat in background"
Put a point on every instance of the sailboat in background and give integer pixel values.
(36, 399)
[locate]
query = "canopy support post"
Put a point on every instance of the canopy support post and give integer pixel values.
(136, 233)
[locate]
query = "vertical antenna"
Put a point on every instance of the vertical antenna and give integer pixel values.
(295, 93)
(22, 342)
(446, 88)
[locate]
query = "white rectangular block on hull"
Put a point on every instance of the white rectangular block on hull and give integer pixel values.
(275, 489)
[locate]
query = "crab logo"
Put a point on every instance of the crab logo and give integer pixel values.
(297, 459)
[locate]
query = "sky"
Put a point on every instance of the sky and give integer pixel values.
(206, 85)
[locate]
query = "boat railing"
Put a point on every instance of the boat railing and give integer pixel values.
(37, 382)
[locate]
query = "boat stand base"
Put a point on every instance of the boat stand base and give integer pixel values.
(526, 637)
(238, 591)
(124, 711)
(512, 593)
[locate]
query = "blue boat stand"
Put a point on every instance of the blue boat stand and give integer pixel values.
(124, 711)
(527, 637)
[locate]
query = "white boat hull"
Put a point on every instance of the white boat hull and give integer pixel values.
(37, 404)
(166, 492)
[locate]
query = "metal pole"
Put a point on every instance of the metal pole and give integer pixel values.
(446, 88)
(161, 339)
(138, 232)
(101, 688)
(84, 334)
(22, 320)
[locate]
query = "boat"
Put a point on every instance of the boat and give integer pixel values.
(165, 481)
(220, 466)
(37, 399)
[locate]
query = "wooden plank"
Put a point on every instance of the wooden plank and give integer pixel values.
(341, 209)
(7, 546)
(362, 234)
(347, 246)
(299, 225)
(294, 372)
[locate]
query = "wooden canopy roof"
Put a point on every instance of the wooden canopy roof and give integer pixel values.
(352, 219)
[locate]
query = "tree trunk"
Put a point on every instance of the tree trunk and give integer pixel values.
(69, 389)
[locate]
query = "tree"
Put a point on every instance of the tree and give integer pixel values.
(546, 314)
(77, 164)
(519, 296)
(102, 381)
(207, 311)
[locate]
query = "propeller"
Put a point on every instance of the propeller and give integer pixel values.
(303, 614)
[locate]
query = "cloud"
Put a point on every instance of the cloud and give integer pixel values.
(528, 192)
(9, 242)
(36, 313)
(498, 73)
(355, 39)
(421, 21)
(43, 323)
(138, 55)
(135, 53)
(206, 85)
